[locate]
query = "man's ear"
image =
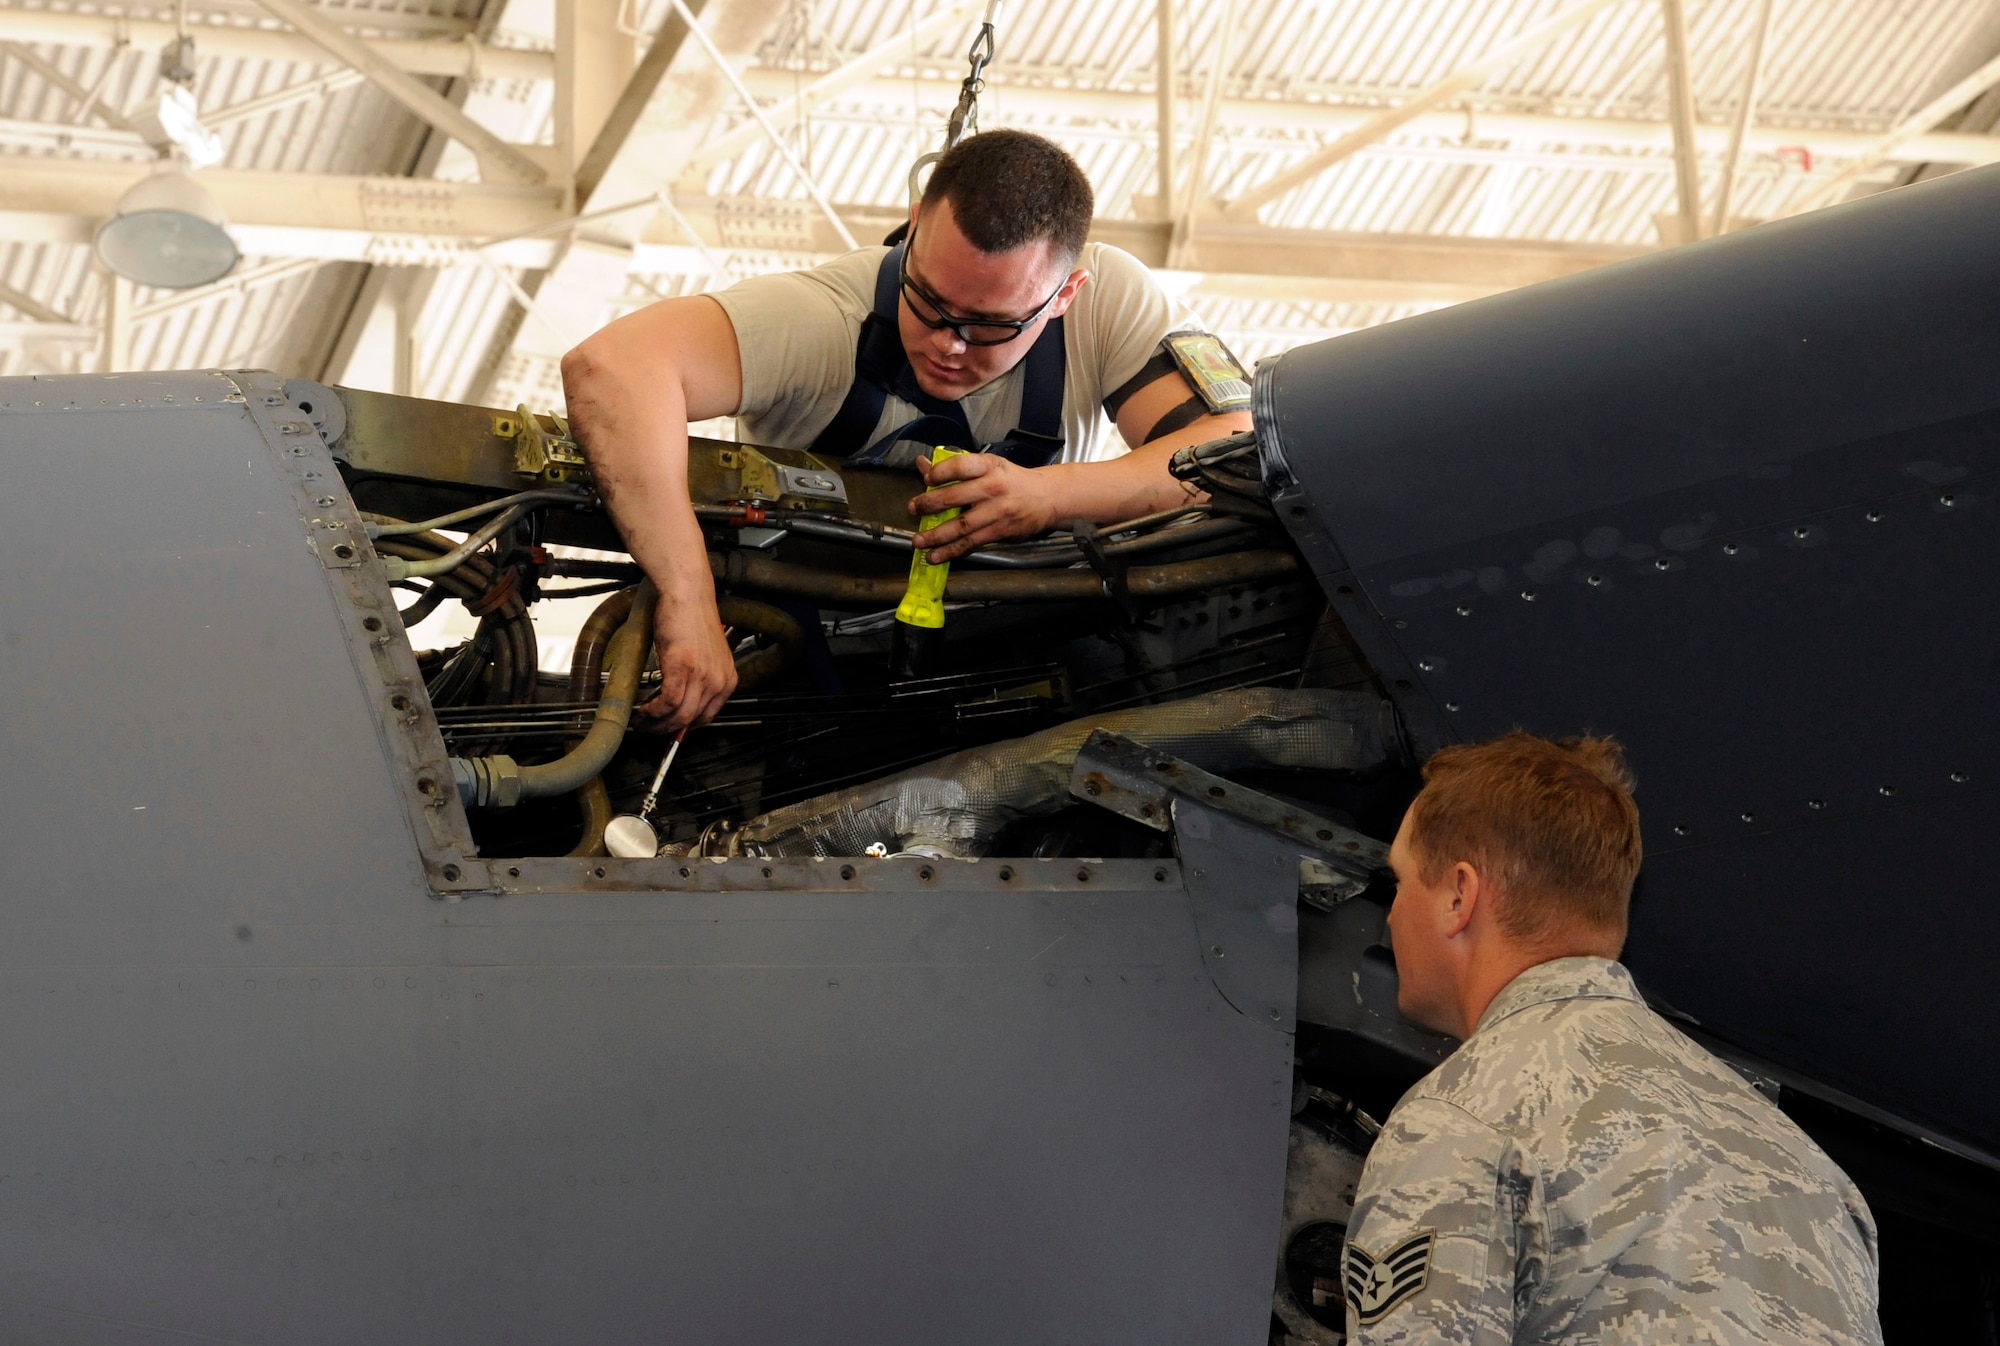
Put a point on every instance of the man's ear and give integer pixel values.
(1467, 890)
(1070, 289)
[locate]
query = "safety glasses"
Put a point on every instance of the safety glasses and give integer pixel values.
(972, 331)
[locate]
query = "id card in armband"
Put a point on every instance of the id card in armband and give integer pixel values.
(1210, 370)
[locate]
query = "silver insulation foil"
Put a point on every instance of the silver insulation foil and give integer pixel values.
(955, 806)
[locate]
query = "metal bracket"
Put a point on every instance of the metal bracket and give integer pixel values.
(1142, 784)
(545, 456)
(1325, 887)
(1090, 539)
(752, 478)
(1241, 851)
(335, 543)
(321, 405)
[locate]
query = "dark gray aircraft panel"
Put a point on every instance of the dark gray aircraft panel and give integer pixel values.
(262, 1084)
(1736, 505)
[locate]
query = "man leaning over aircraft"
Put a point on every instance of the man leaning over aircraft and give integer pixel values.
(996, 326)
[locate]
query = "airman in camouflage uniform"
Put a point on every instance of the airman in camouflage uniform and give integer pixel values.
(1580, 1172)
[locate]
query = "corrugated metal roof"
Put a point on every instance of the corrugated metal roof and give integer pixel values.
(1846, 64)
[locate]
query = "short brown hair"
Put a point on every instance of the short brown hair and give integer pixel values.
(1010, 188)
(1551, 824)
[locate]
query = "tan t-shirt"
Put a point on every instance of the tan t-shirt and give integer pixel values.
(796, 332)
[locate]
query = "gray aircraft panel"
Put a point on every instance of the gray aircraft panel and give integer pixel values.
(264, 1085)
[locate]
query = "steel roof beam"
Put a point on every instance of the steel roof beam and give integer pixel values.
(1194, 198)
(1165, 95)
(1906, 132)
(1746, 109)
(1139, 110)
(595, 58)
(666, 111)
(33, 307)
(1458, 83)
(826, 88)
(397, 221)
(495, 154)
(90, 100)
(1680, 117)
(417, 56)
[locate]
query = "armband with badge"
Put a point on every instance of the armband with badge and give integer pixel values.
(1215, 375)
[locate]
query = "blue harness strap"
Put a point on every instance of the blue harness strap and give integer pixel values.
(882, 367)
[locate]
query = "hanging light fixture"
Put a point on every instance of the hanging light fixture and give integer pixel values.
(167, 231)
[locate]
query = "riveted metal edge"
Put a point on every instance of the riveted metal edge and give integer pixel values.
(376, 642)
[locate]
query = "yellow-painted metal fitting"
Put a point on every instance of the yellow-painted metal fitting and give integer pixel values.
(923, 601)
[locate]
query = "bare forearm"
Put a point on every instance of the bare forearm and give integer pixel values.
(1138, 483)
(634, 431)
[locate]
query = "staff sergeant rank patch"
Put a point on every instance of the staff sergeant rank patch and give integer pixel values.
(1375, 1285)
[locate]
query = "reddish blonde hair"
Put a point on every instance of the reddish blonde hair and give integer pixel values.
(1551, 824)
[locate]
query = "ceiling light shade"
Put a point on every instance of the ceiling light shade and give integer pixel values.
(167, 233)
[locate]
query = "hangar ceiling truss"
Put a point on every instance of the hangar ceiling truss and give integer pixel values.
(439, 196)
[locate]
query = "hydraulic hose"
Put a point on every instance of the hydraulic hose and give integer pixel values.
(787, 637)
(626, 657)
(586, 669)
(501, 782)
(376, 530)
(506, 637)
(586, 666)
(397, 568)
(595, 801)
(864, 593)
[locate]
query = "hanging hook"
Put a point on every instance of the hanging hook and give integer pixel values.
(965, 117)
